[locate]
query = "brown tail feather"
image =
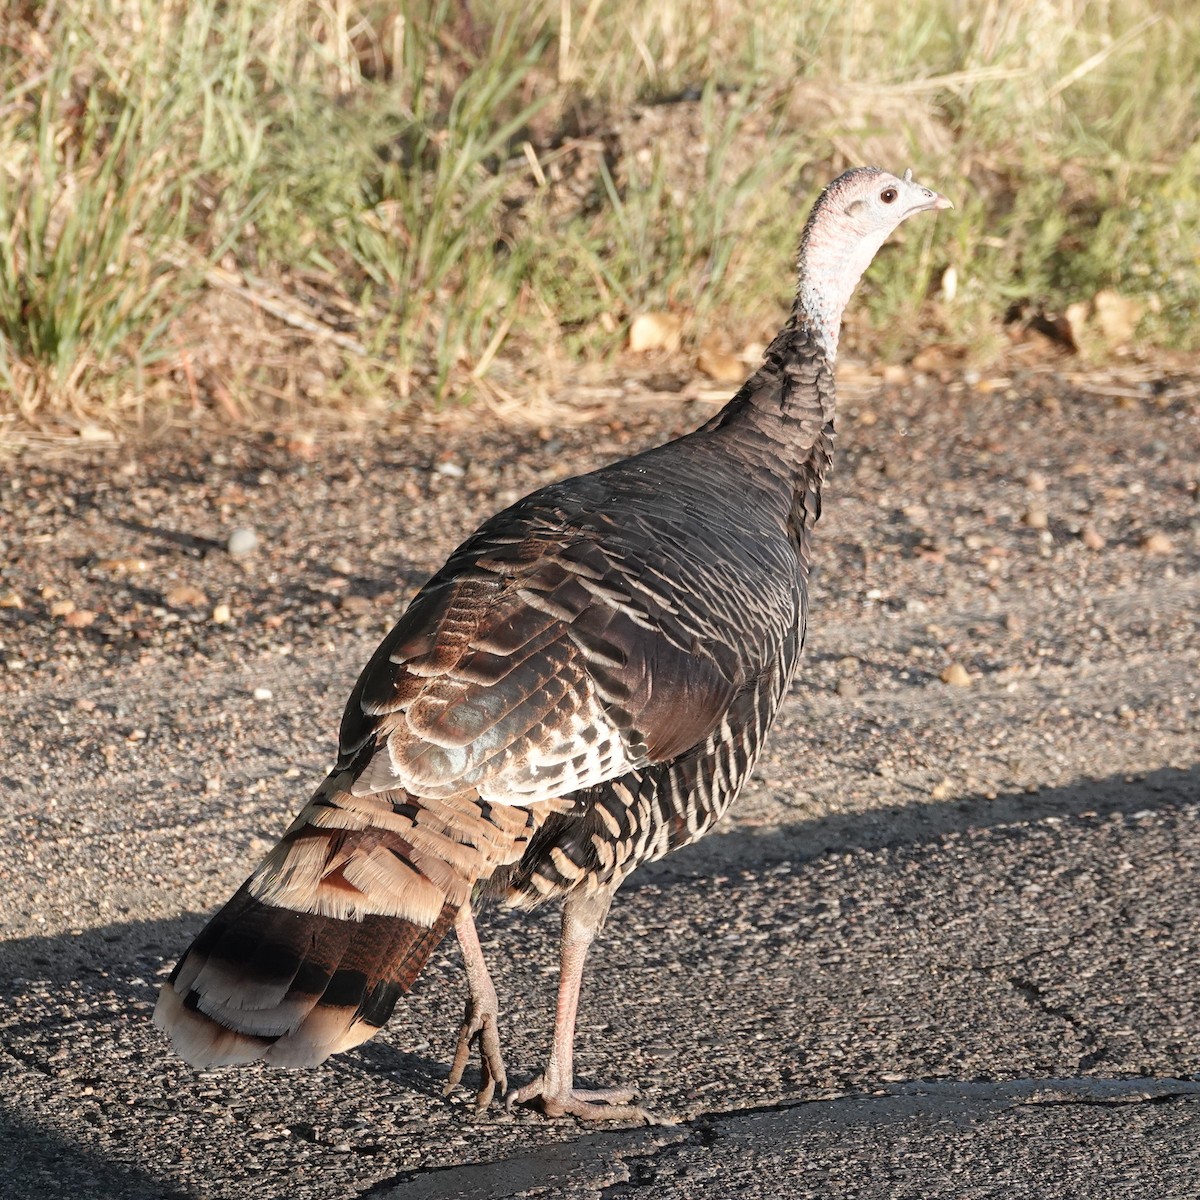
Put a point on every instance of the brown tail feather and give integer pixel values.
(291, 988)
(311, 954)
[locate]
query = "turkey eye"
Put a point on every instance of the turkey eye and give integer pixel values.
(888, 195)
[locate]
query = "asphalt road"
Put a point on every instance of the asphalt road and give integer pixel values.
(947, 945)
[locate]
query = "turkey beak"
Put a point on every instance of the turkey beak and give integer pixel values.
(933, 202)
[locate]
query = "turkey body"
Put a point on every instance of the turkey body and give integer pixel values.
(582, 688)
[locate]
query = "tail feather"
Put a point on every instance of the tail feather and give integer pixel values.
(290, 988)
(311, 954)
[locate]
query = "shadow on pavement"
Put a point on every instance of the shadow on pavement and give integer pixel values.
(105, 978)
(921, 821)
(37, 1165)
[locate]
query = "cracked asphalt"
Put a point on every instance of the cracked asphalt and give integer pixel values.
(947, 944)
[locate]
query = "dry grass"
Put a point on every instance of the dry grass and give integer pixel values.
(256, 205)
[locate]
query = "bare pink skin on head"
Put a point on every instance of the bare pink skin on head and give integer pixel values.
(852, 218)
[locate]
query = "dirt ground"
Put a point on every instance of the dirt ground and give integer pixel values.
(1000, 684)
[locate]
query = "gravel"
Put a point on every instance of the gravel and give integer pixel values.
(922, 885)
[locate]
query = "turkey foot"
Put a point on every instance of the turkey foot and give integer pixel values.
(559, 1099)
(480, 1020)
(479, 1027)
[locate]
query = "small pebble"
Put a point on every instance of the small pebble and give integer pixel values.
(1036, 481)
(341, 565)
(262, 693)
(242, 542)
(1158, 543)
(79, 618)
(62, 608)
(956, 675)
(847, 688)
(222, 614)
(1090, 538)
(1036, 517)
(450, 469)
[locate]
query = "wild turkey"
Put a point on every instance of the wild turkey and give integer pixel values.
(583, 687)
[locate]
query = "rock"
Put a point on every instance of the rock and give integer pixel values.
(10, 600)
(956, 675)
(79, 618)
(1035, 517)
(1117, 316)
(222, 614)
(942, 791)
(62, 608)
(341, 565)
(242, 542)
(847, 688)
(1035, 481)
(450, 469)
(262, 693)
(1090, 538)
(655, 331)
(1158, 543)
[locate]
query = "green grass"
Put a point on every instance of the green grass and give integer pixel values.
(344, 203)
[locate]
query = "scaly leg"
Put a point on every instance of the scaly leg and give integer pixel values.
(554, 1090)
(480, 1021)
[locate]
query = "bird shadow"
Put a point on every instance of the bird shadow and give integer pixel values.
(98, 984)
(39, 1164)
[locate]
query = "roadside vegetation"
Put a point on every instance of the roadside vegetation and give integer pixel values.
(239, 207)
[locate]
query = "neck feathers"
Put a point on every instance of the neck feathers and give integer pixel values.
(833, 257)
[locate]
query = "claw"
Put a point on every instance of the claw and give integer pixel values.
(598, 1104)
(479, 1026)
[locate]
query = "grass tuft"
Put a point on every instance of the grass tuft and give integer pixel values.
(239, 204)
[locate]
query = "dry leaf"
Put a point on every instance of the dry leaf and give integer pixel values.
(721, 365)
(123, 564)
(185, 596)
(655, 331)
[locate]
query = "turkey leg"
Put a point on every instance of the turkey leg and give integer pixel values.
(480, 1020)
(554, 1090)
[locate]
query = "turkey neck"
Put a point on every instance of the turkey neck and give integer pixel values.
(780, 424)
